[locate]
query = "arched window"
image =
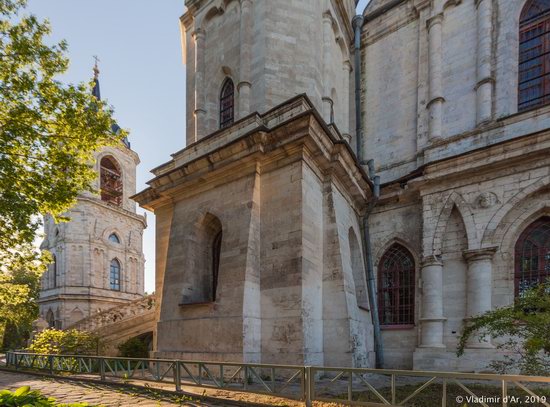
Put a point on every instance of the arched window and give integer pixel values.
(110, 181)
(396, 274)
(54, 271)
(532, 255)
(115, 275)
(113, 237)
(50, 318)
(216, 253)
(227, 104)
(534, 55)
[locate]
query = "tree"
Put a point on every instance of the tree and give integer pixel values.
(20, 272)
(524, 328)
(49, 131)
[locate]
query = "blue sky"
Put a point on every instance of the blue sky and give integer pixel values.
(142, 74)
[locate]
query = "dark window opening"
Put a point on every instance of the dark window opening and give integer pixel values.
(115, 275)
(227, 104)
(110, 181)
(532, 255)
(216, 253)
(396, 287)
(534, 55)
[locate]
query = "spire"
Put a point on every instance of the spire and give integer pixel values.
(96, 92)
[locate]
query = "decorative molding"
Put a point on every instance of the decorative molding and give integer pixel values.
(485, 253)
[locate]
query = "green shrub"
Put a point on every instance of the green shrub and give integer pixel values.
(71, 342)
(26, 397)
(23, 396)
(134, 348)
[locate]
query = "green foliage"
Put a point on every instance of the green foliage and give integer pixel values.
(19, 287)
(26, 397)
(524, 328)
(134, 348)
(71, 342)
(49, 132)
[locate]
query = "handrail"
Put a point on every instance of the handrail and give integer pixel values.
(288, 381)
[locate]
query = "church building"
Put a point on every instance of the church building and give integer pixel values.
(354, 187)
(98, 255)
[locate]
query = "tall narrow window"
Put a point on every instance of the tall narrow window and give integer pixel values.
(115, 275)
(532, 255)
(50, 318)
(216, 252)
(534, 55)
(227, 104)
(54, 271)
(396, 273)
(110, 181)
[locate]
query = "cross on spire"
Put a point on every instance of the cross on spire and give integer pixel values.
(96, 67)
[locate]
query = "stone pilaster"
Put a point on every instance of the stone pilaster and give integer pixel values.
(435, 104)
(345, 100)
(200, 97)
(327, 97)
(432, 303)
(245, 85)
(478, 287)
(485, 81)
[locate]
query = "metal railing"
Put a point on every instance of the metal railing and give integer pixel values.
(353, 386)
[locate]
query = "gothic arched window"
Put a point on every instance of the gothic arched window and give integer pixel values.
(216, 254)
(227, 104)
(533, 256)
(113, 237)
(115, 275)
(396, 274)
(110, 181)
(534, 55)
(54, 271)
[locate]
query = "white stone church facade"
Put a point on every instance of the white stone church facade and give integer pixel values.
(261, 251)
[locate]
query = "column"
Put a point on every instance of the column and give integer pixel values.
(327, 39)
(200, 108)
(435, 104)
(432, 303)
(485, 81)
(245, 83)
(345, 99)
(479, 283)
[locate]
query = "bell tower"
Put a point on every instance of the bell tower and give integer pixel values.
(270, 51)
(98, 256)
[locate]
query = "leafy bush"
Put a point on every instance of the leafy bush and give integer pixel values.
(134, 348)
(524, 326)
(71, 342)
(26, 397)
(23, 396)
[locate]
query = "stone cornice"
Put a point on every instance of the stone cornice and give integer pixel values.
(287, 130)
(113, 208)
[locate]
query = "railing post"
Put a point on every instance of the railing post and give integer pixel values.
(444, 397)
(393, 398)
(102, 369)
(16, 361)
(177, 375)
(504, 394)
(308, 386)
(50, 364)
